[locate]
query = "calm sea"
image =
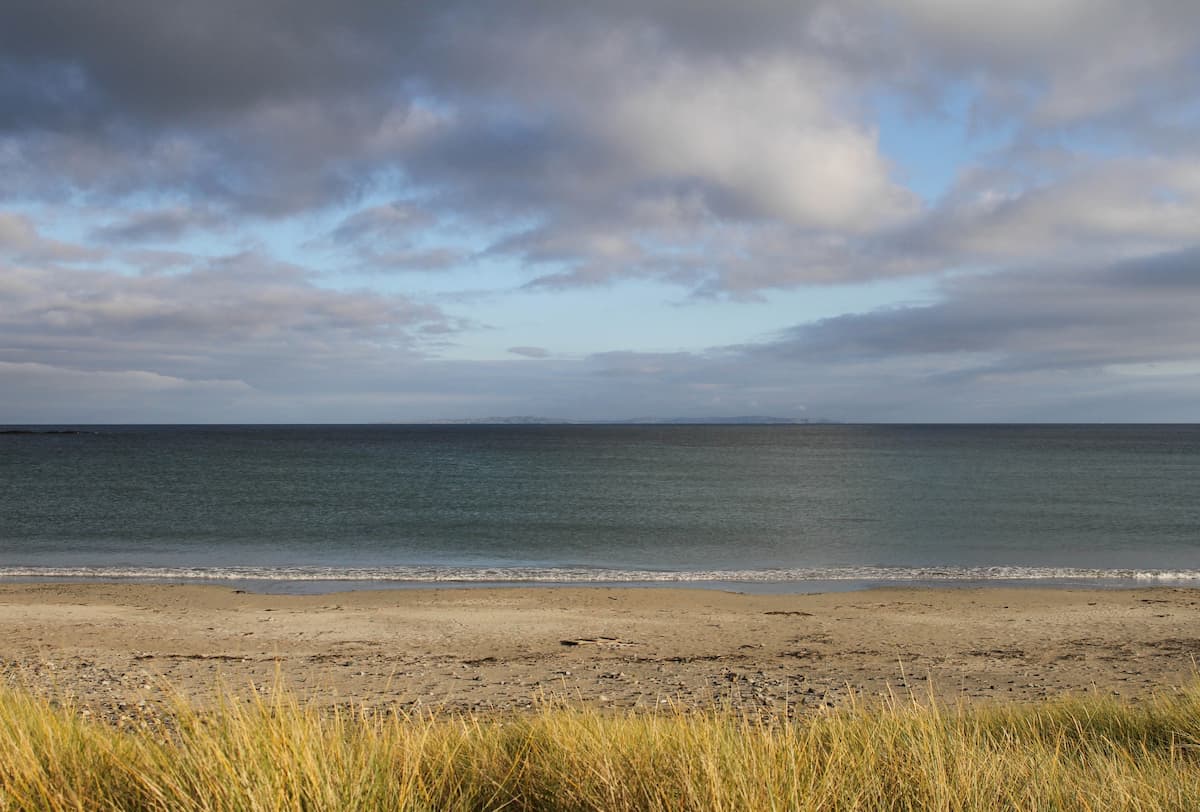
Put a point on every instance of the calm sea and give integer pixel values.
(764, 507)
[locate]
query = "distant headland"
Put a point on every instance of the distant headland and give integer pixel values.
(530, 420)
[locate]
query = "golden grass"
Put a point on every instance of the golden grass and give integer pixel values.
(277, 753)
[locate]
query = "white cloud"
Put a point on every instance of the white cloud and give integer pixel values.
(764, 136)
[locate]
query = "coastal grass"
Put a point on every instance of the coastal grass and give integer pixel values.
(277, 752)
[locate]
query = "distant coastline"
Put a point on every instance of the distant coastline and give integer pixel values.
(531, 420)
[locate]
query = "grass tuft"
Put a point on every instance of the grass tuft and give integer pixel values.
(278, 753)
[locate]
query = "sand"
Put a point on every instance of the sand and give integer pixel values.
(115, 648)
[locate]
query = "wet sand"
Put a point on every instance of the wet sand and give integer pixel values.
(114, 648)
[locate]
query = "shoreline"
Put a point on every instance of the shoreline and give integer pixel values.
(110, 646)
(317, 585)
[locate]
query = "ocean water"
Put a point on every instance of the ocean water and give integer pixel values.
(804, 507)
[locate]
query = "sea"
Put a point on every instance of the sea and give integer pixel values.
(764, 508)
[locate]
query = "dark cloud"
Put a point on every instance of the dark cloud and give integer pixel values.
(1134, 312)
(159, 224)
(165, 62)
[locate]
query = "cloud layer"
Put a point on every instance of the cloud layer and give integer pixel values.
(730, 152)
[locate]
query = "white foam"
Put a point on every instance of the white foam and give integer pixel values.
(434, 574)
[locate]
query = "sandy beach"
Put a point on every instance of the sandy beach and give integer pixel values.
(114, 647)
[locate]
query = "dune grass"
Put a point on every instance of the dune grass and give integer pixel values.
(278, 753)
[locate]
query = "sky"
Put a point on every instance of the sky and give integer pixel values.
(295, 211)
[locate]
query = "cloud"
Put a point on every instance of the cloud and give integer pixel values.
(760, 142)
(1134, 312)
(21, 241)
(1114, 342)
(401, 236)
(596, 144)
(163, 61)
(530, 352)
(390, 221)
(43, 393)
(1054, 64)
(727, 150)
(1131, 205)
(571, 120)
(241, 317)
(159, 225)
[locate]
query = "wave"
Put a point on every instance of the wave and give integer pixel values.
(585, 575)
